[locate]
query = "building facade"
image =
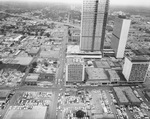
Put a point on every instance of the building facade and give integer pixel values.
(119, 36)
(75, 70)
(135, 69)
(94, 18)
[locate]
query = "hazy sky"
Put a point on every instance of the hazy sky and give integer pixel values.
(131, 2)
(112, 2)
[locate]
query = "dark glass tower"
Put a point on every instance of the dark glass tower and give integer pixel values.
(94, 18)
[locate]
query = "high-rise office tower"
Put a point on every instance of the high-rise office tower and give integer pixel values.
(94, 18)
(75, 70)
(135, 69)
(119, 36)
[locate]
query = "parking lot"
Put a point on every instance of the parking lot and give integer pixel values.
(130, 111)
(34, 99)
(89, 101)
(100, 100)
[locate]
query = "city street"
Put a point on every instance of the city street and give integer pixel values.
(59, 77)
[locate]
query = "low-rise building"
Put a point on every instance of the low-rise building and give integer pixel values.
(4, 94)
(75, 70)
(23, 60)
(126, 96)
(39, 79)
(122, 99)
(50, 54)
(32, 79)
(147, 95)
(33, 51)
(97, 76)
(74, 51)
(113, 76)
(38, 112)
(130, 95)
(102, 64)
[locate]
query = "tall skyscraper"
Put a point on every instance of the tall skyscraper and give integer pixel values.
(135, 69)
(94, 18)
(119, 36)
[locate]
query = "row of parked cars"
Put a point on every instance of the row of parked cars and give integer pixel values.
(33, 102)
(121, 110)
(34, 99)
(141, 111)
(29, 95)
(4, 103)
(20, 107)
(105, 102)
(138, 112)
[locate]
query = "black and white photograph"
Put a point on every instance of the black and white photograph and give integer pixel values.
(74, 59)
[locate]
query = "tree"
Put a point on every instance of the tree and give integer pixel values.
(46, 64)
(1, 62)
(69, 33)
(31, 70)
(34, 64)
(48, 35)
(80, 114)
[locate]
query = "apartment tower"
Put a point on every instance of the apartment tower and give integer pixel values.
(94, 18)
(120, 36)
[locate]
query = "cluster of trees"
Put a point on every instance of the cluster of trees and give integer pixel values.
(75, 14)
(33, 66)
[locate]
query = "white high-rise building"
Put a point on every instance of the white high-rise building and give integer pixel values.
(135, 69)
(120, 36)
(94, 18)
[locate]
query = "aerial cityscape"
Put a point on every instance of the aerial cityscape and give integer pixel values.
(74, 59)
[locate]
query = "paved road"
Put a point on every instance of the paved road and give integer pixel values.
(60, 81)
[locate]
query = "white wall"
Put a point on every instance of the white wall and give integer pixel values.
(127, 68)
(123, 38)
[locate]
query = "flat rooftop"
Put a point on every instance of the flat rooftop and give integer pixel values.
(75, 60)
(37, 112)
(18, 60)
(113, 74)
(4, 93)
(34, 50)
(50, 54)
(121, 96)
(139, 59)
(96, 73)
(75, 49)
(23, 60)
(46, 78)
(130, 95)
(32, 77)
(102, 64)
(148, 93)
